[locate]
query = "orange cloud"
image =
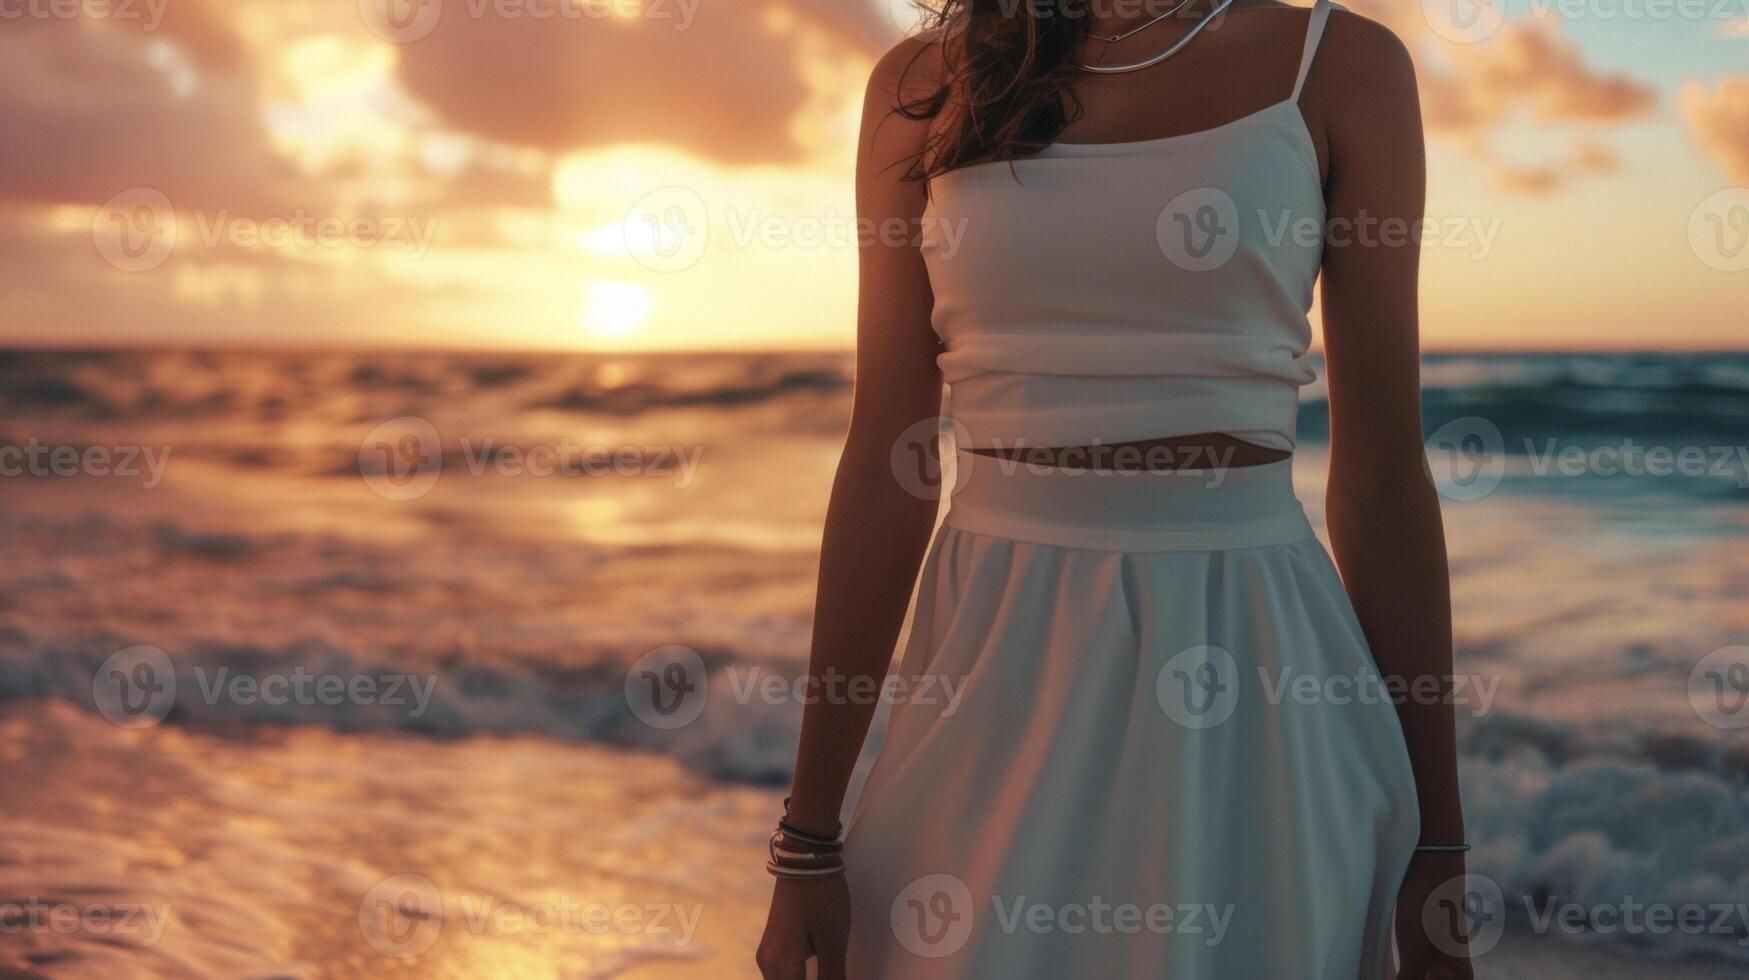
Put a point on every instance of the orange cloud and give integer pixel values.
(726, 85)
(1528, 67)
(1595, 157)
(1525, 180)
(1468, 91)
(1719, 121)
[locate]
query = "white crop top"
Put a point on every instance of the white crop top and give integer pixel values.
(1112, 292)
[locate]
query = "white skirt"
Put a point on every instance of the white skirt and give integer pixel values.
(1145, 738)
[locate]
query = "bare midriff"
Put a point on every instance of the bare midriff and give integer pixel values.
(1208, 451)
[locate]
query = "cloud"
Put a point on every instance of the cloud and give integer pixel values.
(1535, 181)
(1719, 121)
(88, 109)
(1527, 67)
(1587, 156)
(200, 29)
(726, 85)
(1595, 157)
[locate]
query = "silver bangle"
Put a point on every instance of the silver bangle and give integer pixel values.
(1443, 848)
(777, 848)
(779, 871)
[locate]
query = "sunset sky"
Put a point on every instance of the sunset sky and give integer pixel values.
(635, 174)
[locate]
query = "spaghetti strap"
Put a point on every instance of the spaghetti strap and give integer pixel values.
(1314, 34)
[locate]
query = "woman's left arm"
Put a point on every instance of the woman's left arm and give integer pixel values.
(1382, 509)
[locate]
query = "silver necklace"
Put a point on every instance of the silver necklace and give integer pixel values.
(1152, 60)
(1132, 32)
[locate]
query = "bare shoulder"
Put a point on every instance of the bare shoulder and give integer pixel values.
(1360, 54)
(1362, 86)
(893, 139)
(906, 77)
(911, 69)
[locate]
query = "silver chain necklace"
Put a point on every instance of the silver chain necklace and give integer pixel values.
(1132, 32)
(1152, 60)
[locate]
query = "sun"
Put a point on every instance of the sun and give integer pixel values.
(615, 309)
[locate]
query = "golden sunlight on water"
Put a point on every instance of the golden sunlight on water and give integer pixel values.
(355, 855)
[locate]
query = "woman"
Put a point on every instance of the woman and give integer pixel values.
(1156, 745)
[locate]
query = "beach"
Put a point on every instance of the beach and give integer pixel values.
(405, 702)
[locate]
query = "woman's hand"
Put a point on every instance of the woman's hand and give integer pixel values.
(1432, 930)
(809, 917)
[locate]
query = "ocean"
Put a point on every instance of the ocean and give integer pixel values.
(325, 663)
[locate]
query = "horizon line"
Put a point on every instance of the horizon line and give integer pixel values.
(338, 347)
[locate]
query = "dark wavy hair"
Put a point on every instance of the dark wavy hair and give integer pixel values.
(1004, 90)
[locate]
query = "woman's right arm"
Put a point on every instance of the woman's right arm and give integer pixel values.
(876, 529)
